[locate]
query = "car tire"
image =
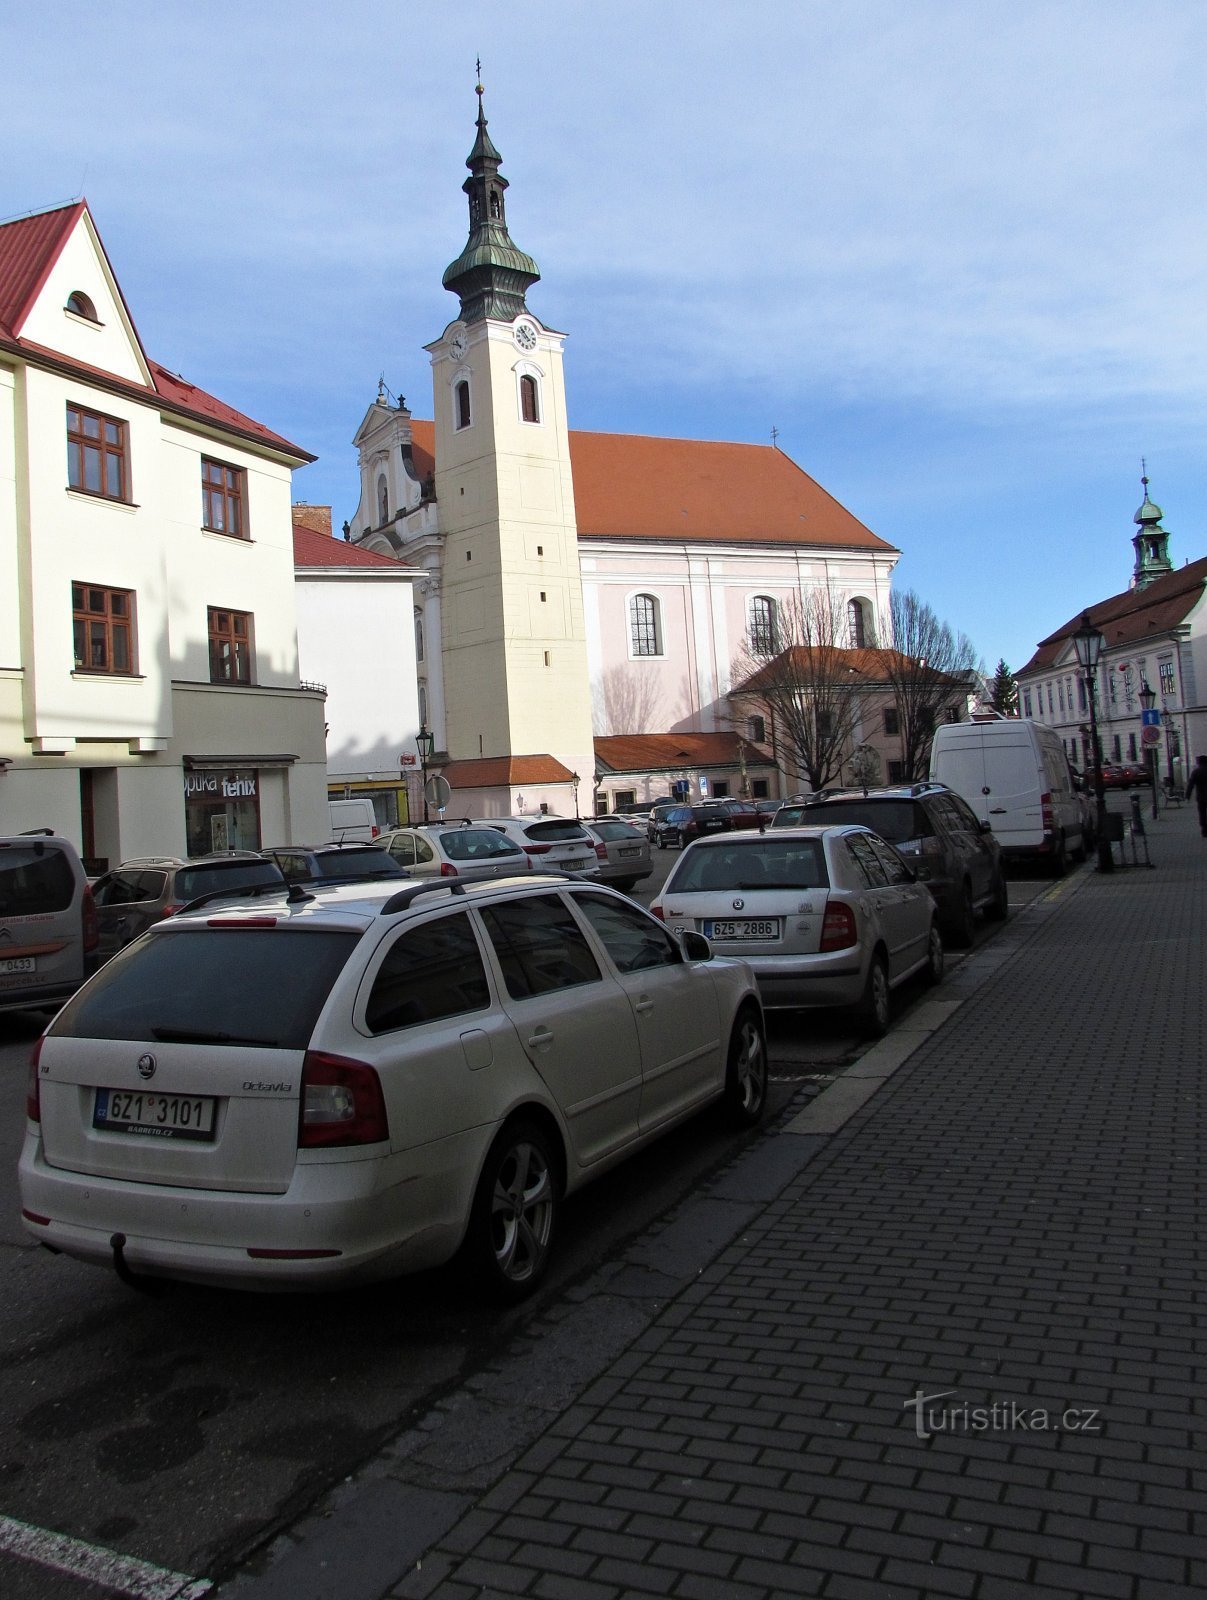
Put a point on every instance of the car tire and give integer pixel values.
(962, 927)
(874, 1006)
(933, 970)
(512, 1220)
(998, 908)
(745, 1096)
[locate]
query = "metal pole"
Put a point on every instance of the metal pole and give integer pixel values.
(1152, 772)
(423, 770)
(1106, 860)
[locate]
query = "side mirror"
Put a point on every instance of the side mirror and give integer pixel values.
(695, 946)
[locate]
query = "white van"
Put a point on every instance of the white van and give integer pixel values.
(353, 819)
(1015, 775)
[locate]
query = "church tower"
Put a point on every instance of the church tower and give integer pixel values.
(513, 636)
(1150, 542)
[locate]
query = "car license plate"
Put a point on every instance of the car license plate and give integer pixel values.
(19, 964)
(744, 928)
(157, 1116)
(630, 850)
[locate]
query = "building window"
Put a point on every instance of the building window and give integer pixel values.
(1051, 703)
(461, 401)
(763, 630)
(418, 634)
(103, 627)
(1131, 747)
(96, 454)
(529, 400)
(644, 625)
(757, 730)
(892, 722)
(952, 714)
(1165, 673)
(1118, 748)
(896, 771)
(1026, 702)
(80, 305)
(859, 622)
(222, 499)
(1060, 695)
(422, 705)
(760, 789)
(230, 646)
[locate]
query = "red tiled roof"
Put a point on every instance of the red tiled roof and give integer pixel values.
(311, 549)
(873, 666)
(496, 772)
(1132, 617)
(671, 752)
(632, 486)
(29, 249)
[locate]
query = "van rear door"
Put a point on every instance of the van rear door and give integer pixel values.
(1012, 781)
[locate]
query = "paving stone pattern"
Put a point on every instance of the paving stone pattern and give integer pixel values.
(1016, 1218)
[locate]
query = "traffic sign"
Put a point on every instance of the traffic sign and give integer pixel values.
(1150, 735)
(438, 792)
(1151, 719)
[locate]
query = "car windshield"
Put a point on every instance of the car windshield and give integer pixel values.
(765, 863)
(894, 820)
(358, 864)
(204, 985)
(192, 882)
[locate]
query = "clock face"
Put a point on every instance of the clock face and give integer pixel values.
(525, 335)
(457, 344)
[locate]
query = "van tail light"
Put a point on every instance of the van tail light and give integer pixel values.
(447, 870)
(838, 926)
(33, 1094)
(601, 850)
(341, 1103)
(91, 924)
(375, 830)
(537, 849)
(1046, 820)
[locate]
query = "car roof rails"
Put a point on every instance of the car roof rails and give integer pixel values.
(404, 897)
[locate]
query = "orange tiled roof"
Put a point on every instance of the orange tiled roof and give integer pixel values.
(671, 752)
(496, 772)
(311, 549)
(872, 666)
(1132, 617)
(633, 486)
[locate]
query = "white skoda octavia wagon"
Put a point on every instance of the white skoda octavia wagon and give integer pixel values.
(329, 1084)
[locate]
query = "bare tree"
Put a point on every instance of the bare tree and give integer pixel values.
(927, 670)
(626, 700)
(805, 681)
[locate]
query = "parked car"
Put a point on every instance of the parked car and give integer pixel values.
(1015, 775)
(742, 813)
(309, 863)
(455, 850)
(304, 1093)
(1122, 775)
(639, 810)
(48, 932)
(655, 818)
(826, 916)
(553, 844)
(622, 850)
(146, 889)
(681, 824)
(790, 812)
(951, 851)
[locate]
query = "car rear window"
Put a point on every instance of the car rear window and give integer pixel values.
(194, 881)
(34, 878)
(358, 864)
(894, 820)
(766, 863)
(477, 844)
(615, 830)
(201, 985)
(555, 830)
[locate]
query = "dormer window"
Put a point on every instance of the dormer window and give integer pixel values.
(80, 305)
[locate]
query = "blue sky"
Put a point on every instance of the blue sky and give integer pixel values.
(954, 253)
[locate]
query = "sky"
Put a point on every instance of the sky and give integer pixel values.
(954, 253)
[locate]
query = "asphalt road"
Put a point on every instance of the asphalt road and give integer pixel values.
(185, 1428)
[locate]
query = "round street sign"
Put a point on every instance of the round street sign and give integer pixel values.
(1150, 736)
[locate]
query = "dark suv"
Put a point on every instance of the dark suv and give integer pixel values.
(679, 825)
(146, 889)
(937, 833)
(334, 863)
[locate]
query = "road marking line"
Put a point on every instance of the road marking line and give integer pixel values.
(123, 1575)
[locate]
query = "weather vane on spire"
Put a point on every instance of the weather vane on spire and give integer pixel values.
(478, 73)
(1144, 473)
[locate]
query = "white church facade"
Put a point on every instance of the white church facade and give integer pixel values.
(573, 589)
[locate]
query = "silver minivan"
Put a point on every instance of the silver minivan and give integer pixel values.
(48, 925)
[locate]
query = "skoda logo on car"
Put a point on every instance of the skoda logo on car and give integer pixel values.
(146, 1066)
(738, 905)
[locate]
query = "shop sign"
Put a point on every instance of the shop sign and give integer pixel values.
(220, 785)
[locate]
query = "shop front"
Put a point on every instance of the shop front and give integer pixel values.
(221, 810)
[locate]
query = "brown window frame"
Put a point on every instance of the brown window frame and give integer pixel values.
(110, 628)
(111, 452)
(464, 410)
(530, 404)
(223, 498)
(222, 627)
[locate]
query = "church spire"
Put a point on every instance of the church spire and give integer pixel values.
(490, 275)
(1151, 542)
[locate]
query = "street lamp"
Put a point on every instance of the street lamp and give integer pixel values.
(1148, 699)
(424, 741)
(575, 780)
(1088, 643)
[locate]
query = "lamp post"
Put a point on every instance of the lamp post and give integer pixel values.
(1088, 643)
(424, 742)
(1148, 699)
(575, 780)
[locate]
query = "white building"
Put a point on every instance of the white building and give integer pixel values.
(580, 584)
(150, 701)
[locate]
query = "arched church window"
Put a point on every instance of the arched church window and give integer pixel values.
(475, 210)
(859, 622)
(461, 395)
(764, 626)
(423, 705)
(645, 625)
(383, 500)
(418, 634)
(496, 205)
(529, 405)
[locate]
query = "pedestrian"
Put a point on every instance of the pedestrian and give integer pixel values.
(1198, 788)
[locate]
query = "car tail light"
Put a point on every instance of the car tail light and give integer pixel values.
(838, 926)
(173, 907)
(447, 870)
(91, 925)
(601, 850)
(33, 1093)
(657, 911)
(1046, 820)
(341, 1103)
(537, 849)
